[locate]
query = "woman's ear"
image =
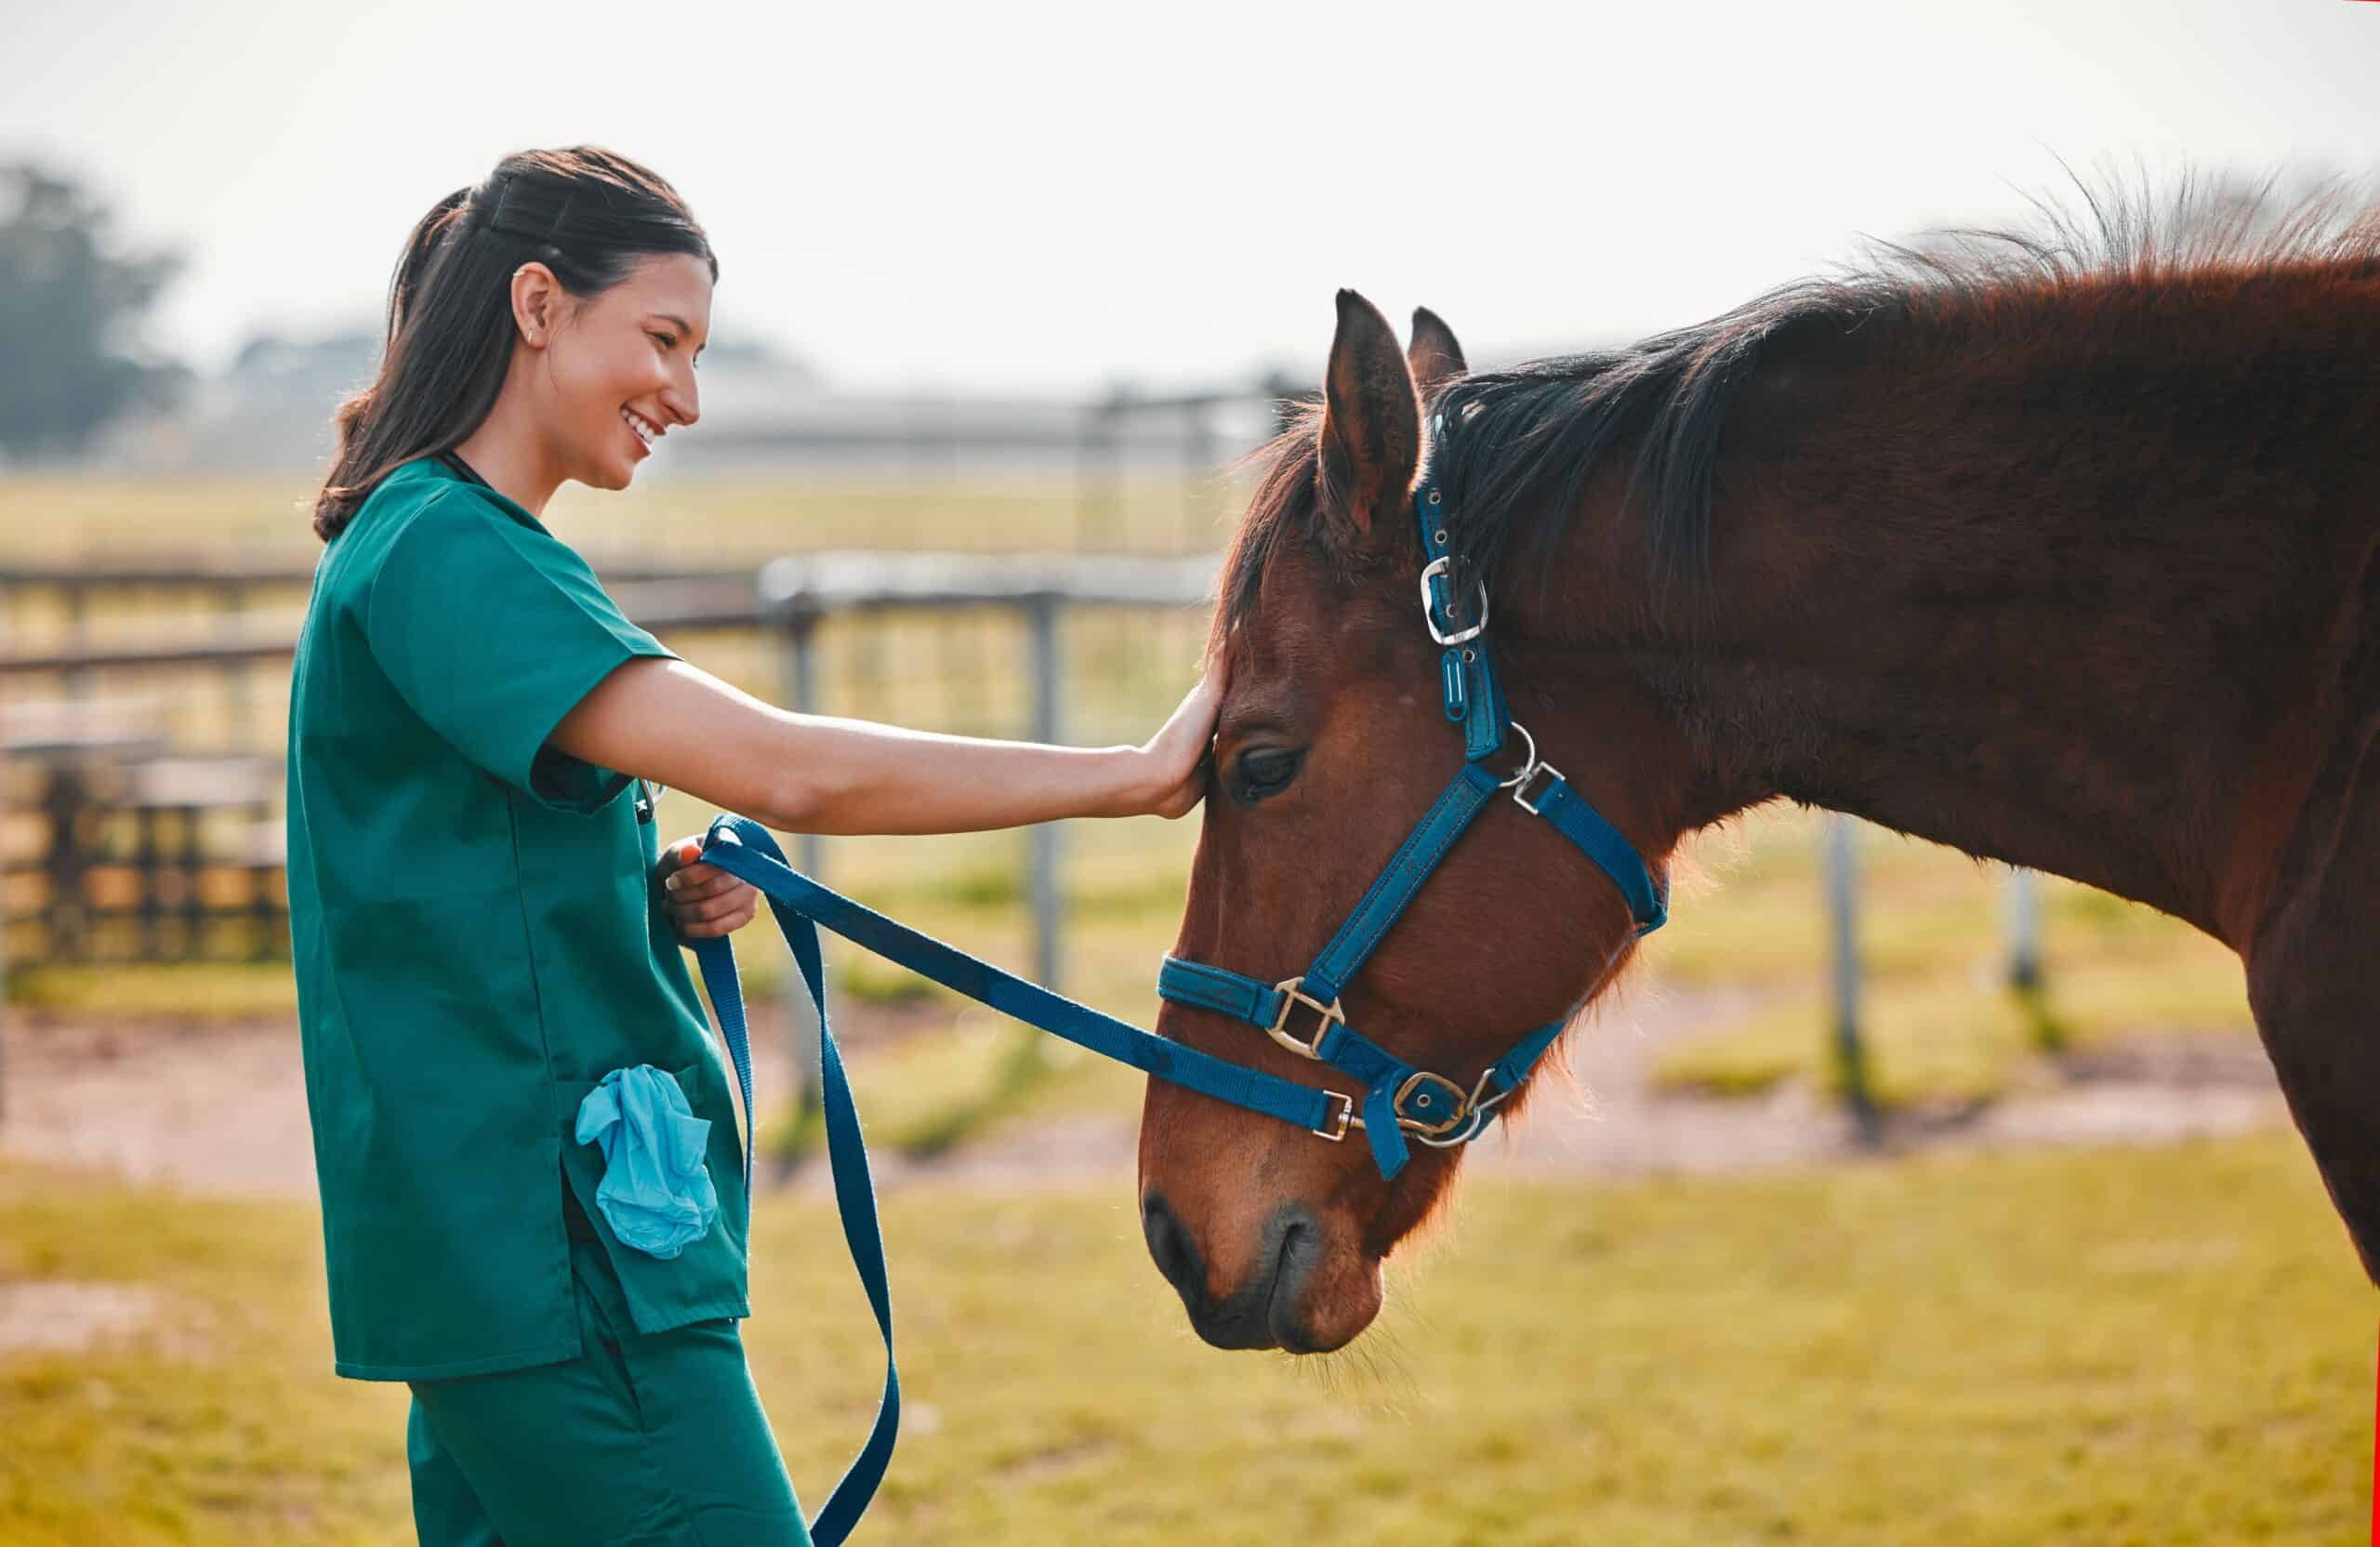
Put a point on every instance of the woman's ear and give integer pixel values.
(1371, 426)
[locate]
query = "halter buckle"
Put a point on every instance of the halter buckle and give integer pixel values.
(1292, 995)
(1347, 1118)
(1424, 1080)
(1520, 790)
(1430, 571)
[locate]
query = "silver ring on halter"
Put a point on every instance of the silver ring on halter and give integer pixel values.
(1429, 613)
(1476, 1114)
(1530, 768)
(1473, 1125)
(1530, 765)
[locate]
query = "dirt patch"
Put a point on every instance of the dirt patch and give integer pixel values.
(64, 1315)
(1603, 1117)
(213, 1110)
(220, 1110)
(2184, 1059)
(2149, 1088)
(223, 1111)
(1058, 1460)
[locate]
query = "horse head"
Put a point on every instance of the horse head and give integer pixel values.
(1333, 741)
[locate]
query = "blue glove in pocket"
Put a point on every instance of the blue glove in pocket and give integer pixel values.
(657, 1193)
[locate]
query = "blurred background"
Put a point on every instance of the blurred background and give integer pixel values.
(1895, 1195)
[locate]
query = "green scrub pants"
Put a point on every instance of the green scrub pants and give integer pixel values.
(642, 1441)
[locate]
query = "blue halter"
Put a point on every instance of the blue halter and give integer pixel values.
(1398, 1098)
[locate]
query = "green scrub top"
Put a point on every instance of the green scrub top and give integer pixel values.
(478, 941)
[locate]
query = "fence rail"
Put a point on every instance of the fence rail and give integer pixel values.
(791, 598)
(212, 572)
(247, 637)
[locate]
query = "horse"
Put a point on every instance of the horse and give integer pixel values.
(2055, 544)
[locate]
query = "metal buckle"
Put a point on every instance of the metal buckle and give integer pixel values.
(1430, 614)
(1448, 1124)
(1292, 996)
(1347, 1118)
(1520, 791)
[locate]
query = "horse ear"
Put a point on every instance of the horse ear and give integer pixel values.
(1372, 422)
(1433, 355)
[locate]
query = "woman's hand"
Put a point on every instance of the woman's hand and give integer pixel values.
(1175, 759)
(703, 900)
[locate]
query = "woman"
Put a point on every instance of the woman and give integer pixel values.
(487, 964)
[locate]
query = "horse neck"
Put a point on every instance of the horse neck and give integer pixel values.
(2088, 614)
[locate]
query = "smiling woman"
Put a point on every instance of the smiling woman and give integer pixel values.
(535, 1200)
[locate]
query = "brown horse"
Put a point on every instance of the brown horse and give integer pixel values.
(2059, 548)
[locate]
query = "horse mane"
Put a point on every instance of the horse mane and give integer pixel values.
(1512, 449)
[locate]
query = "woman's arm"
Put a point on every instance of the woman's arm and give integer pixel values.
(679, 725)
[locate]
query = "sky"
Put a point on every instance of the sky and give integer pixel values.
(1054, 200)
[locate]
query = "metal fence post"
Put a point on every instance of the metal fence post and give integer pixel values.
(1048, 905)
(1843, 910)
(2024, 931)
(2025, 977)
(809, 1093)
(802, 678)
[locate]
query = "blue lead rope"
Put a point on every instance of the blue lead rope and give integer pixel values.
(846, 1150)
(744, 849)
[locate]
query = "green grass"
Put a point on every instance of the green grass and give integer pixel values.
(162, 994)
(727, 519)
(2171, 1347)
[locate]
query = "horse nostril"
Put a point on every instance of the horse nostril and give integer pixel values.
(1299, 1239)
(1300, 1248)
(1169, 1248)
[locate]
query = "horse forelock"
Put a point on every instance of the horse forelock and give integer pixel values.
(1287, 468)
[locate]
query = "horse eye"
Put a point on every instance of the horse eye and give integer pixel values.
(1267, 771)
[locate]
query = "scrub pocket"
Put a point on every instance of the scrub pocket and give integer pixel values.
(657, 1192)
(706, 1278)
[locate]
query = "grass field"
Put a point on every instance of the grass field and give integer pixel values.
(2166, 1347)
(1937, 1018)
(723, 519)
